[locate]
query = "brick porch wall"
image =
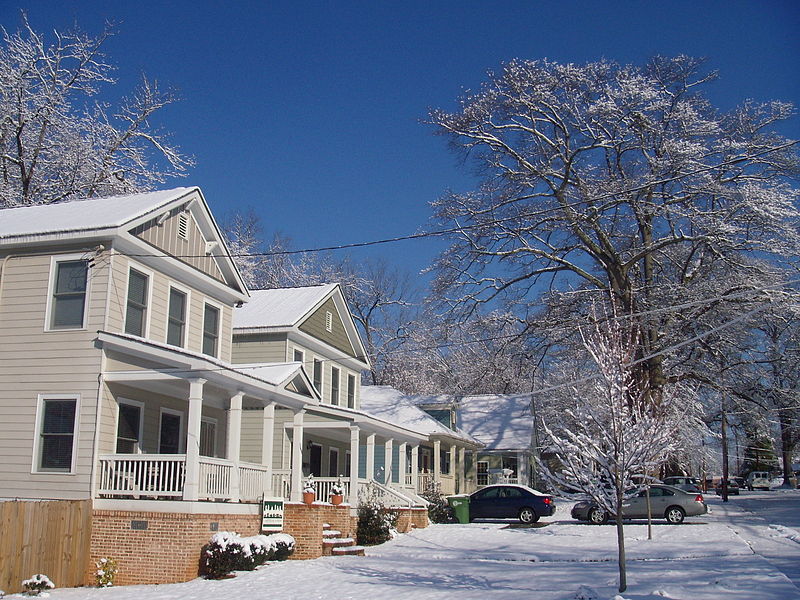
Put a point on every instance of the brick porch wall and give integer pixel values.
(409, 518)
(304, 523)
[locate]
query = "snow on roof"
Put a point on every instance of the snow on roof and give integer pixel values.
(389, 404)
(83, 215)
(499, 421)
(272, 373)
(279, 307)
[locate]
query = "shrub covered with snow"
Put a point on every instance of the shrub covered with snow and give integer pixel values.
(227, 552)
(37, 584)
(106, 571)
(439, 511)
(376, 524)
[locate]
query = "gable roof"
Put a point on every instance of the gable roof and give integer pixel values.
(97, 219)
(501, 421)
(385, 402)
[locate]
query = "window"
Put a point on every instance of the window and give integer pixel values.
(208, 437)
(210, 330)
(298, 355)
(136, 312)
(483, 472)
(57, 416)
(328, 321)
(129, 427)
(318, 375)
(351, 391)
(169, 441)
(347, 462)
(68, 294)
(445, 462)
(334, 385)
(176, 318)
(333, 462)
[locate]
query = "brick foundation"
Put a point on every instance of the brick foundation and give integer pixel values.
(304, 523)
(411, 518)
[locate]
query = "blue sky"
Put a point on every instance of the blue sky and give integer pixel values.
(310, 112)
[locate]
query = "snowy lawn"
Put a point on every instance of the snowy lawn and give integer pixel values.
(709, 557)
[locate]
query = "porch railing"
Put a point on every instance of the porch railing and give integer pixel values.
(140, 475)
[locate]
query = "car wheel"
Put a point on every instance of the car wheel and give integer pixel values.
(528, 515)
(674, 515)
(597, 516)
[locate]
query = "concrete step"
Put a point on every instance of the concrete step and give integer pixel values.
(329, 545)
(348, 551)
(330, 533)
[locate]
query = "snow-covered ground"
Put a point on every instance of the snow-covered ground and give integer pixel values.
(742, 550)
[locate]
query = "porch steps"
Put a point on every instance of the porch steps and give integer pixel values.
(335, 545)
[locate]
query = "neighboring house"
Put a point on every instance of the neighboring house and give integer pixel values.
(313, 327)
(443, 458)
(118, 388)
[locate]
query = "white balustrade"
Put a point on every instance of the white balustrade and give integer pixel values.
(137, 475)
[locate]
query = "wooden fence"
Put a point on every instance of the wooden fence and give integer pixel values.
(50, 537)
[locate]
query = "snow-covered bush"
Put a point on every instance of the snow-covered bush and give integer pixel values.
(106, 571)
(376, 524)
(37, 584)
(337, 489)
(439, 511)
(227, 552)
(308, 485)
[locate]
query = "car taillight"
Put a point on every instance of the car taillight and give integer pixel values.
(699, 498)
(547, 500)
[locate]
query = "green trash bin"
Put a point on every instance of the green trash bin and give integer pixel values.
(460, 506)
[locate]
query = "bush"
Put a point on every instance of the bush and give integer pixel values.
(37, 584)
(439, 511)
(376, 524)
(106, 571)
(227, 552)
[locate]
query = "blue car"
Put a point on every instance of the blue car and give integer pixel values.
(509, 501)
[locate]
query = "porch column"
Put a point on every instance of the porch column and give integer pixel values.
(353, 499)
(522, 469)
(453, 471)
(387, 459)
(415, 468)
(461, 480)
(370, 457)
(267, 447)
(234, 442)
(402, 463)
(474, 468)
(437, 461)
(191, 485)
(297, 456)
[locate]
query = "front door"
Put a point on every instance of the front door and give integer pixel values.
(315, 460)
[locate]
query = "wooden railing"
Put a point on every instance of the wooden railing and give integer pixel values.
(215, 479)
(252, 482)
(137, 475)
(282, 483)
(323, 485)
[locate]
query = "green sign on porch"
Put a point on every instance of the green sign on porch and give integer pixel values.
(271, 515)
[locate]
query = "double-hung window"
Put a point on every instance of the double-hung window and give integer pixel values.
(351, 391)
(176, 317)
(318, 375)
(334, 385)
(68, 300)
(136, 310)
(58, 417)
(129, 427)
(210, 330)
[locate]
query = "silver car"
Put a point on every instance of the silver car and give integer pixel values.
(682, 482)
(666, 502)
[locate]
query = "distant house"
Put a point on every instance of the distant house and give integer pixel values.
(443, 457)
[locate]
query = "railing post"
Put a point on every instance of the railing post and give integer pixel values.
(234, 443)
(297, 456)
(462, 471)
(415, 468)
(437, 461)
(402, 464)
(267, 449)
(388, 459)
(191, 485)
(371, 457)
(354, 436)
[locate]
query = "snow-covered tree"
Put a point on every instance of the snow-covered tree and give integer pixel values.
(605, 179)
(57, 142)
(612, 436)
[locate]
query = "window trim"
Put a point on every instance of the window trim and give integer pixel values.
(148, 307)
(321, 387)
(48, 315)
(39, 422)
(186, 317)
(302, 353)
(207, 302)
(181, 429)
(140, 405)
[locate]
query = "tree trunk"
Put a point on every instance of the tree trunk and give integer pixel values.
(786, 446)
(623, 579)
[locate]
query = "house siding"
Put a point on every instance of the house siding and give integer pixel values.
(315, 325)
(36, 362)
(260, 348)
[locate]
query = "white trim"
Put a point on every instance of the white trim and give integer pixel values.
(187, 312)
(215, 423)
(302, 352)
(54, 260)
(181, 427)
(221, 310)
(148, 309)
(40, 400)
(140, 405)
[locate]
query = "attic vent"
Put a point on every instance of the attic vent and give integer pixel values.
(183, 226)
(328, 321)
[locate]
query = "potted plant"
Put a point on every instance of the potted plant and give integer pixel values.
(337, 492)
(309, 491)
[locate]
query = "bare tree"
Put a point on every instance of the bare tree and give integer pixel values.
(56, 143)
(610, 433)
(608, 179)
